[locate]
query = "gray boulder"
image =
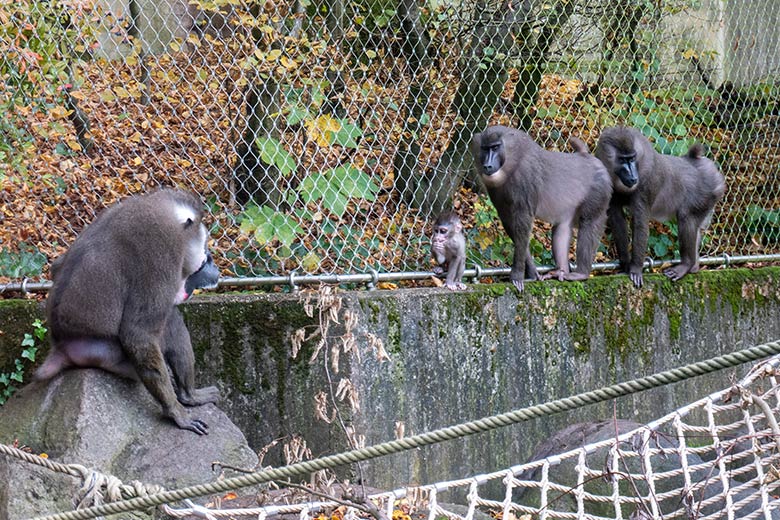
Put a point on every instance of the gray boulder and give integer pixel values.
(97, 420)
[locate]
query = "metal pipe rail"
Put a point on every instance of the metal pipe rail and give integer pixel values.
(372, 278)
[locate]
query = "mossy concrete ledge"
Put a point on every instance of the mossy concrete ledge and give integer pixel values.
(455, 357)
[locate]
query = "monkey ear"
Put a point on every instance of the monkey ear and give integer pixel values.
(458, 227)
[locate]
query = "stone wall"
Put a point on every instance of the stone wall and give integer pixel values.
(455, 357)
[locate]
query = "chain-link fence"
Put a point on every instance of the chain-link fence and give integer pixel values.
(325, 135)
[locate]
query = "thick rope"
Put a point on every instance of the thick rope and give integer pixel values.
(96, 488)
(425, 439)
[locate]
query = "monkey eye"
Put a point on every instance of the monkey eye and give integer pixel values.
(442, 231)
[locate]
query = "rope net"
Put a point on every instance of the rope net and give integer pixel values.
(714, 458)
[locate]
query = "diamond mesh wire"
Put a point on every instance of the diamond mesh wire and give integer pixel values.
(324, 136)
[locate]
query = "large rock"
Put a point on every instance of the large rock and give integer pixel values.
(97, 420)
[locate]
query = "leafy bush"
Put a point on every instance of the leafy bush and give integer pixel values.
(9, 379)
(26, 262)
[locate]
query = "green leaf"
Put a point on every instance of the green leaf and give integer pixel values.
(273, 154)
(347, 135)
(660, 250)
(28, 341)
(296, 114)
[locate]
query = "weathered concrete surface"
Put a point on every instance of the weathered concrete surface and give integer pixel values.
(461, 356)
(97, 420)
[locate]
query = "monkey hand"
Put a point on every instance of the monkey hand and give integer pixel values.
(456, 286)
(438, 270)
(518, 285)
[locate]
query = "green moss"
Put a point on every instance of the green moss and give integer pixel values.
(16, 318)
(393, 327)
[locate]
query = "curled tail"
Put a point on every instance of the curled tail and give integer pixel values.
(578, 145)
(696, 151)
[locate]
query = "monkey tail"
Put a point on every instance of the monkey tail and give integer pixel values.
(578, 145)
(696, 151)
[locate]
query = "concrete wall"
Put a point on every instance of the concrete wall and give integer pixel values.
(455, 357)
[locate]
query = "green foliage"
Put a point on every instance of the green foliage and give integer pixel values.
(302, 103)
(493, 242)
(334, 188)
(266, 224)
(661, 245)
(320, 199)
(762, 224)
(28, 261)
(273, 154)
(8, 380)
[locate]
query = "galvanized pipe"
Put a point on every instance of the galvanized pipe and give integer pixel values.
(372, 278)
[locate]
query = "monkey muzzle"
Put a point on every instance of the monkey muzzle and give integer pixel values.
(204, 278)
(627, 174)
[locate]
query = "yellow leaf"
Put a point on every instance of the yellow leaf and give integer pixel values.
(688, 54)
(136, 137)
(59, 112)
(273, 55)
(311, 262)
(137, 161)
(74, 145)
(321, 130)
(287, 63)
(107, 96)
(387, 285)
(77, 94)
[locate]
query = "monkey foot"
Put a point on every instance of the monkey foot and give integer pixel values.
(636, 279)
(193, 425)
(552, 274)
(199, 396)
(575, 277)
(677, 272)
(456, 286)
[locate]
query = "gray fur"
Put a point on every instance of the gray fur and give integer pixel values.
(112, 304)
(682, 188)
(525, 181)
(448, 246)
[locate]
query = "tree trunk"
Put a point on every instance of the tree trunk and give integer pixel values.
(534, 58)
(484, 72)
(256, 180)
(415, 49)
